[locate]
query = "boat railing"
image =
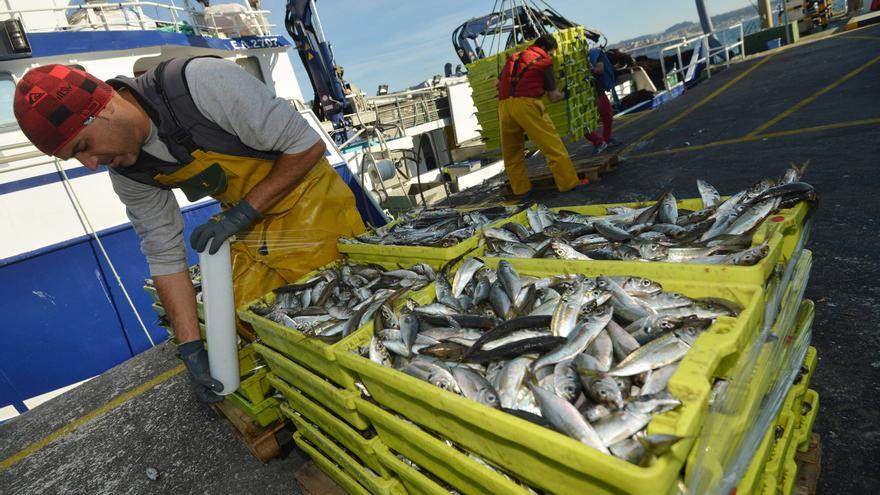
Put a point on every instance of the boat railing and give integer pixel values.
(651, 50)
(703, 53)
(113, 16)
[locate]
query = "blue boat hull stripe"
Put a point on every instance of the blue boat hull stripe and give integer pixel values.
(43, 180)
(68, 43)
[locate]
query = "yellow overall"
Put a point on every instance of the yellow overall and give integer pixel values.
(295, 236)
(518, 114)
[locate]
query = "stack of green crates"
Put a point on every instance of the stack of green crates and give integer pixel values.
(321, 399)
(773, 468)
(572, 117)
(414, 419)
(376, 430)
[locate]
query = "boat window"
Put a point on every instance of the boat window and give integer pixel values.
(7, 92)
(252, 66)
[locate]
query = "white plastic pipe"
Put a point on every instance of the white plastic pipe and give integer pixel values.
(220, 317)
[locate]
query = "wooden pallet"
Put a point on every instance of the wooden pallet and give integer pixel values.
(590, 167)
(313, 481)
(809, 464)
(260, 441)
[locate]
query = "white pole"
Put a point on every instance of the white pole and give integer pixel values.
(220, 317)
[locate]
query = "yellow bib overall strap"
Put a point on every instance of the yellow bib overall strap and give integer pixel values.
(295, 236)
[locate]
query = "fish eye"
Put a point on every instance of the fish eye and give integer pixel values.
(646, 282)
(603, 394)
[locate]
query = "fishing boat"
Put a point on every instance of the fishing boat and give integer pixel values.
(70, 262)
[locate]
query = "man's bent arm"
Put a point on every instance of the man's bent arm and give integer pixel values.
(555, 95)
(286, 173)
(179, 300)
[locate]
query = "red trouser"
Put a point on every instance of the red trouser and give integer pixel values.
(607, 117)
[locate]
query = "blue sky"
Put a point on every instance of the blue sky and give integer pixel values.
(403, 42)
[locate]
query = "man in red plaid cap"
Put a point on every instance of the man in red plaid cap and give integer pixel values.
(209, 128)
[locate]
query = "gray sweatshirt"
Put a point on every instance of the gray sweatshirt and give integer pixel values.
(241, 105)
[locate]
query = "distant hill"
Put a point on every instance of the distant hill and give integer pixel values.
(689, 28)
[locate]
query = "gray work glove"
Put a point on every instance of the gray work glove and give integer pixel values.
(223, 226)
(195, 357)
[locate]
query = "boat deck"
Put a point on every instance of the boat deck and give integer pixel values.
(814, 101)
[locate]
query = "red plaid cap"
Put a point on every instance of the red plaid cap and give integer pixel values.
(54, 102)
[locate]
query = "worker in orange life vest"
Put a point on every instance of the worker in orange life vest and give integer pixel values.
(524, 79)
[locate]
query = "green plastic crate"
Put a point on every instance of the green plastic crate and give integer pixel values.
(314, 354)
(363, 448)
(444, 462)
(410, 255)
(795, 399)
(329, 467)
(752, 480)
(758, 475)
(756, 274)
(256, 387)
(729, 425)
(373, 483)
(338, 400)
(572, 118)
(414, 481)
(264, 413)
(786, 474)
(552, 461)
(805, 426)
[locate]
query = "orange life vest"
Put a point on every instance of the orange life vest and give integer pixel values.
(523, 74)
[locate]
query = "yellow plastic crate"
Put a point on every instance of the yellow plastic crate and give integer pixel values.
(571, 118)
(444, 462)
(409, 255)
(549, 460)
(792, 225)
(772, 231)
(757, 473)
(247, 359)
(369, 480)
(363, 448)
(794, 400)
(329, 468)
(789, 308)
(264, 413)
(338, 400)
(788, 476)
(752, 480)
(312, 353)
(415, 482)
(729, 426)
(805, 426)
(786, 426)
(256, 387)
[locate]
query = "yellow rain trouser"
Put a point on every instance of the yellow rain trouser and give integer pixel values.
(295, 236)
(520, 114)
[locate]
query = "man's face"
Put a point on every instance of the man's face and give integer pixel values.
(111, 139)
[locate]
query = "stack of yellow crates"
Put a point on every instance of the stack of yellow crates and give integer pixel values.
(572, 118)
(377, 430)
